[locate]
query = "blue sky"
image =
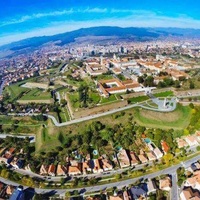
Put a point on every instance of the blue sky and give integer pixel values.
(20, 19)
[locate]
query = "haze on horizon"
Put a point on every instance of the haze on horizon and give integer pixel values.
(37, 18)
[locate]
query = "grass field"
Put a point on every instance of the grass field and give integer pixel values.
(104, 77)
(111, 98)
(177, 119)
(14, 91)
(25, 125)
(138, 99)
(94, 99)
(164, 94)
(45, 142)
(36, 94)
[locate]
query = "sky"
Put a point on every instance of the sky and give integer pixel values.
(20, 19)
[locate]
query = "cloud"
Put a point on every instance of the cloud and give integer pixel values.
(134, 19)
(52, 14)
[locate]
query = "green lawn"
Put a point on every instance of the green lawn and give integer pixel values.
(95, 97)
(104, 77)
(177, 119)
(45, 141)
(138, 99)
(111, 98)
(164, 94)
(74, 98)
(14, 91)
(36, 94)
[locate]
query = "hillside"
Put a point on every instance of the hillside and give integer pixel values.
(111, 34)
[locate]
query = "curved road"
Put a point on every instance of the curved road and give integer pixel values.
(171, 170)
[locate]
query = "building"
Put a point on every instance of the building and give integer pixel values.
(52, 170)
(138, 192)
(176, 74)
(18, 194)
(151, 187)
(165, 184)
(191, 140)
(189, 194)
(134, 160)
(142, 158)
(151, 156)
(194, 181)
(123, 158)
(114, 86)
(61, 170)
(165, 147)
(106, 165)
(97, 167)
(158, 153)
(73, 170)
(94, 68)
(181, 143)
(43, 170)
(86, 168)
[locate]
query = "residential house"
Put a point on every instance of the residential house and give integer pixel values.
(197, 133)
(105, 164)
(165, 184)
(86, 168)
(151, 187)
(116, 198)
(165, 147)
(151, 156)
(116, 70)
(189, 194)
(142, 158)
(52, 170)
(9, 189)
(194, 181)
(123, 158)
(97, 167)
(73, 170)
(8, 154)
(191, 140)
(138, 192)
(43, 170)
(134, 160)
(61, 170)
(158, 153)
(181, 143)
(17, 163)
(126, 195)
(95, 69)
(176, 74)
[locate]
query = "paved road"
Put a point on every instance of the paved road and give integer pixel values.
(32, 137)
(119, 184)
(96, 175)
(175, 188)
(167, 109)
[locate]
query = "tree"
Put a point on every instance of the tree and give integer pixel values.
(191, 85)
(177, 84)
(118, 176)
(149, 81)
(167, 158)
(140, 79)
(63, 102)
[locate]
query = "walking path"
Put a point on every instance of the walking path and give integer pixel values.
(160, 108)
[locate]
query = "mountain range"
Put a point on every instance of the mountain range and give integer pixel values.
(111, 34)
